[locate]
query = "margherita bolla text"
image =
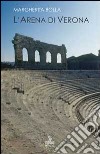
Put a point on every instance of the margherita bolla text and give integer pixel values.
(50, 20)
(37, 9)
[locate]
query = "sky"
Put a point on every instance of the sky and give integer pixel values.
(79, 38)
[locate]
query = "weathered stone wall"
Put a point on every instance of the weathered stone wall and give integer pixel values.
(99, 60)
(99, 53)
(32, 45)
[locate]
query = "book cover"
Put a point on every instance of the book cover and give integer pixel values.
(50, 77)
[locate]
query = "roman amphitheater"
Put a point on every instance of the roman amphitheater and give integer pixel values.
(41, 108)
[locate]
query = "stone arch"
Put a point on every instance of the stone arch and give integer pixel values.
(37, 56)
(48, 57)
(59, 58)
(25, 54)
(21, 41)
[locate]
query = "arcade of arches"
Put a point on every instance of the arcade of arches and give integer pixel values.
(33, 54)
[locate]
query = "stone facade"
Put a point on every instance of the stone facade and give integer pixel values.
(84, 62)
(32, 45)
(99, 53)
(99, 60)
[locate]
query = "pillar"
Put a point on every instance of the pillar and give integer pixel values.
(31, 56)
(42, 57)
(54, 58)
(18, 55)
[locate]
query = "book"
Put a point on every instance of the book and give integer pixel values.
(50, 78)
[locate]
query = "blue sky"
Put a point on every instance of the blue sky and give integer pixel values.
(78, 38)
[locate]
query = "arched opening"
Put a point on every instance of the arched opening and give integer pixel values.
(58, 58)
(48, 57)
(25, 54)
(37, 56)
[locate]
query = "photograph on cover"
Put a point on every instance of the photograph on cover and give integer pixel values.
(50, 77)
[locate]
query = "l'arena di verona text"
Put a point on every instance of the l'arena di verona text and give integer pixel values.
(50, 19)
